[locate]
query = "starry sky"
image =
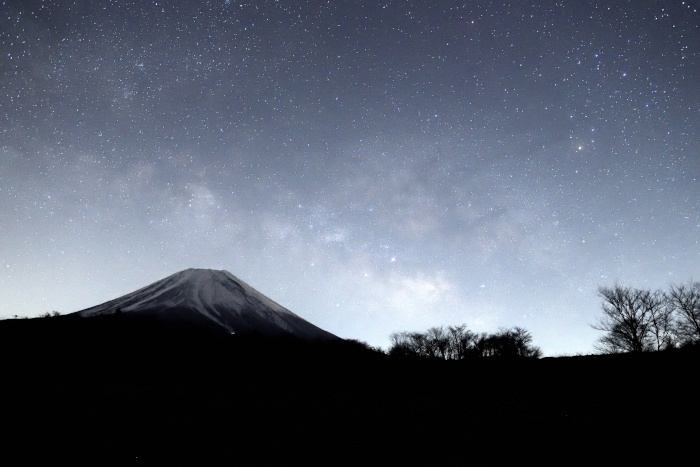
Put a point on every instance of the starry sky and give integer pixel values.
(374, 166)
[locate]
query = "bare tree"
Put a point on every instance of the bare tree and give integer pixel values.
(661, 324)
(438, 342)
(420, 344)
(401, 345)
(458, 343)
(483, 345)
(523, 343)
(513, 342)
(502, 344)
(685, 300)
(461, 340)
(626, 320)
(410, 344)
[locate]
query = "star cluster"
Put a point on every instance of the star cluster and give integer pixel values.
(373, 166)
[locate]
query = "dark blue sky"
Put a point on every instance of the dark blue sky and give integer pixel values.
(373, 166)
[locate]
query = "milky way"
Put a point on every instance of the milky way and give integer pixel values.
(372, 166)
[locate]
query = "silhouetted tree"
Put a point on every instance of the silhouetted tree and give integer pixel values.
(437, 342)
(662, 327)
(626, 320)
(48, 314)
(523, 343)
(685, 302)
(458, 343)
(514, 342)
(404, 344)
(483, 346)
(363, 345)
(419, 344)
(461, 340)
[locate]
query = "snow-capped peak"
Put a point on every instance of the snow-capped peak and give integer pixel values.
(217, 296)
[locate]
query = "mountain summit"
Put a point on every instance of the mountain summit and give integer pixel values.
(214, 299)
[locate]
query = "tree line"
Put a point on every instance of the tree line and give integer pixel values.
(459, 343)
(641, 320)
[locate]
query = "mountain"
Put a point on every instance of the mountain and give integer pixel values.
(212, 299)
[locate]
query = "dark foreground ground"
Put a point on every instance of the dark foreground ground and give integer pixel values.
(106, 392)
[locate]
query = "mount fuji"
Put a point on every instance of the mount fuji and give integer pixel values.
(211, 299)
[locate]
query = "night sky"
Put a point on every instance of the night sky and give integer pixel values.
(372, 166)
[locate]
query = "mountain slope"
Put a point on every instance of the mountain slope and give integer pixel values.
(214, 299)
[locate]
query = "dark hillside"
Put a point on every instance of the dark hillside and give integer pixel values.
(110, 389)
